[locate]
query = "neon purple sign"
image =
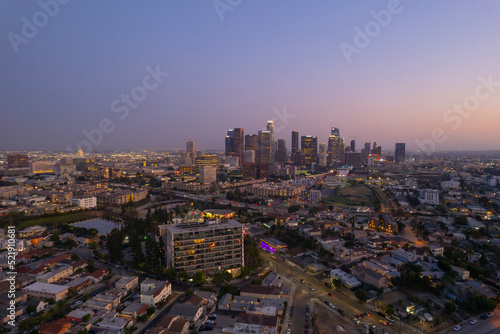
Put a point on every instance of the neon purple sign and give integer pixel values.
(266, 247)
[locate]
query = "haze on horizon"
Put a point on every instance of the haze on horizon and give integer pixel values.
(261, 59)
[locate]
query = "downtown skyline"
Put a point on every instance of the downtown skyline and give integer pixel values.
(241, 71)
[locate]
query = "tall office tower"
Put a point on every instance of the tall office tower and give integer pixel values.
(249, 170)
(17, 161)
(309, 149)
(207, 246)
(322, 154)
(335, 132)
(270, 128)
(336, 151)
(366, 150)
(208, 174)
(230, 142)
(353, 145)
(190, 152)
(252, 142)
(354, 159)
(295, 141)
(400, 153)
(377, 149)
(249, 156)
(281, 155)
(265, 150)
(239, 142)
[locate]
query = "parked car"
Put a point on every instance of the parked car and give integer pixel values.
(472, 321)
(457, 328)
(489, 314)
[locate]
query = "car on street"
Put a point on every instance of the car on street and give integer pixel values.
(331, 305)
(383, 322)
(484, 316)
(326, 302)
(312, 289)
(489, 314)
(341, 311)
(247, 277)
(457, 328)
(472, 321)
(330, 294)
(289, 322)
(302, 280)
(288, 331)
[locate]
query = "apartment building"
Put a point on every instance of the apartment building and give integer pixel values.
(207, 246)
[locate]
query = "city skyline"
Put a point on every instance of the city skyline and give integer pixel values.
(200, 74)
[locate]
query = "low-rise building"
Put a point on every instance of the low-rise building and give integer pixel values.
(47, 291)
(128, 283)
(154, 291)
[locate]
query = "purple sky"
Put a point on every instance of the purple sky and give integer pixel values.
(234, 72)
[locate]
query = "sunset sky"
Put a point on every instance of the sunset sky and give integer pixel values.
(262, 56)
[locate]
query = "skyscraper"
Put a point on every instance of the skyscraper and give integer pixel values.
(377, 149)
(252, 142)
(295, 141)
(270, 128)
(230, 141)
(281, 155)
(353, 145)
(335, 132)
(366, 150)
(322, 154)
(400, 153)
(190, 152)
(336, 151)
(309, 148)
(264, 155)
(239, 138)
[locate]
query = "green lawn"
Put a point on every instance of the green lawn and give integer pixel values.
(73, 217)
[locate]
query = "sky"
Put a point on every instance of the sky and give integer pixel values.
(154, 74)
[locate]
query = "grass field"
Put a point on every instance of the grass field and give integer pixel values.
(353, 196)
(73, 217)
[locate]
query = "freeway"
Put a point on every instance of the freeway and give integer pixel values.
(341, 299)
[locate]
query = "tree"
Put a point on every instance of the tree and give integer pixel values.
(183, 275)
(293, 208)
(189, 292)
(30, 309)
(171, 274)
(151, 310)
(86, 317)
(450, 307)
(389, 309)
(114, 244)
(361, 295)
(199, 278)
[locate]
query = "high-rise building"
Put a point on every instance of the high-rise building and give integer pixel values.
(208, 174)
(322, 155)
(281, 155)
(239, 142)
(353, 145)
(295, 141)
(270, 128)
(210, 247)
(377, 149)
(309, 149)
(265, 148)
(249, 156)
(252, 142)
(249, 170)
(17, 161)
(335, 132)
(207, 160)
(366, 150)
(354, 159)
(335, 154)
(190, 152)
(230, 142)
(400, 153)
